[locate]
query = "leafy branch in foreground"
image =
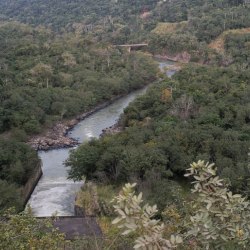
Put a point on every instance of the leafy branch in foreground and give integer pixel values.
(219, 218)
(23, 231)
(138, 219)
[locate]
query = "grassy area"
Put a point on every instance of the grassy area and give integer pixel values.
(218, 43)
(95, 199)
(164, 28)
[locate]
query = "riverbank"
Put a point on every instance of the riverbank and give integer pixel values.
(55, 192)
(183, 57)
(57, 136)
(114, 129)
(169, 69)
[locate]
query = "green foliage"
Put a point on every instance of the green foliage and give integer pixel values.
(118, 22)
(207, 117)
(46, 77)
(76, 14)
(61, 76)
(173, 43)
(17, 162)
(87, 158)
(168, 192)
(238, 46)
(219, 219)
(132, 217)
(87, 199)
(22, 231)
(220, 216)
(64, 65)
(204, 22)
(9, 196)
(94, 200)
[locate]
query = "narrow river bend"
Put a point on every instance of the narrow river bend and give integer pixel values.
(54, 192)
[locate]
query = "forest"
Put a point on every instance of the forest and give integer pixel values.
(198, 22)
(58, 60)
(176, 122)
(46, 77)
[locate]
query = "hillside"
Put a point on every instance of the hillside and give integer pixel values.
(118, 16)
(195, 24)
(46, 78)
(58, 60)
(219, 43)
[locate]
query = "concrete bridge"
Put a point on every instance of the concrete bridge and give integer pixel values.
(131, 46)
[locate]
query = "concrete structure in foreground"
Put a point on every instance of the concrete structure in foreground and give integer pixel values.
(77, 227)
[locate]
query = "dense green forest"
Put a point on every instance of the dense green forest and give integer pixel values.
(116, 21)
(47, 77)
(203, 113)
(57, 60)
(17, 162)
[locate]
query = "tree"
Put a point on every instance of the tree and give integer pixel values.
(83, 161)
(9, 196)
(135, 218)
(42, 71)
(23, 231)
(219, 218)
(69, 59)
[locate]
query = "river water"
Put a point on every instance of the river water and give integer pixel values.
(54, 192)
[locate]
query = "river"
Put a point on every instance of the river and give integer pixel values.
(54, 193)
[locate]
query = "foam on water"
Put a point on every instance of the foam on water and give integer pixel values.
(50, 198)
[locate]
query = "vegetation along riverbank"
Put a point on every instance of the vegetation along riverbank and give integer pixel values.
(48, 78)
(59, 59)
